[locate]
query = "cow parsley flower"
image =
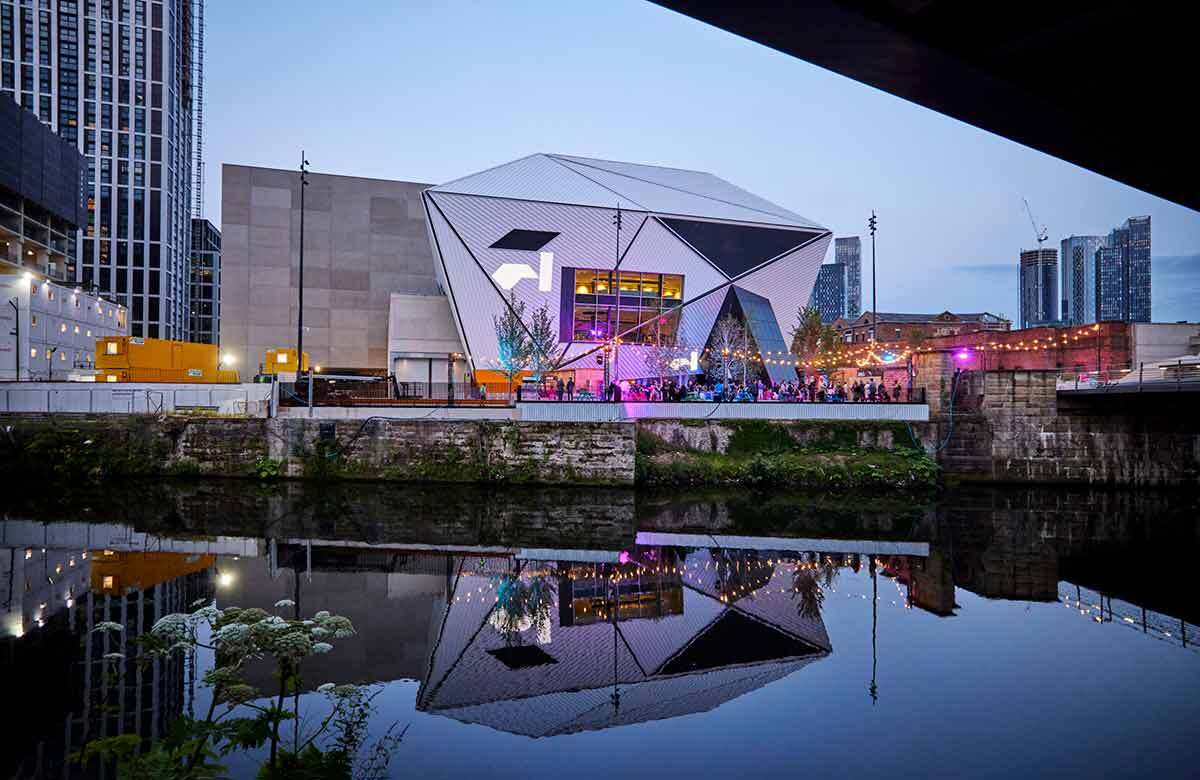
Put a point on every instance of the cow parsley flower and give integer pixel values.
(320, 648)
(108, 625)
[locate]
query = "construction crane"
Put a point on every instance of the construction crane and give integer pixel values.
(1038, 233)
(1038, 307)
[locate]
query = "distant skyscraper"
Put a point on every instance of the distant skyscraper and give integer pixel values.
(205, 299)
(1039, 287)
(116, 79)
(848, 252)
(1123, 273)
(829, 292)
(1079, 278)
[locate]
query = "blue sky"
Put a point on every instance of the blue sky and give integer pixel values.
(431, 91)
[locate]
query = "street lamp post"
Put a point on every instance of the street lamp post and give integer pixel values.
(874, 310)
(15, 303)
(615, 332)
(50, 366)
(300, 305)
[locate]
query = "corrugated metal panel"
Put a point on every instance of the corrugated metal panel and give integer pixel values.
(536, 177)
(472, 295)
(666, 200)
(788, 282)
(698, 183)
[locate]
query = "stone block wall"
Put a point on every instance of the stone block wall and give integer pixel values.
(1024, 432)
(716, 435)
(455, 450)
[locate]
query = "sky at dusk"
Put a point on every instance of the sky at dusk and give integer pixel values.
(432, 91)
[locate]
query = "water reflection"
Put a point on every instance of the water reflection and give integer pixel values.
(542, 612)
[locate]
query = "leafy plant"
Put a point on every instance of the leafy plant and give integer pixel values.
(267, 468)
(239, 716)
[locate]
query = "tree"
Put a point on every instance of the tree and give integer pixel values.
(512, 339)
(543, 342)
(916, 337)
(806, 335)
(727, 346)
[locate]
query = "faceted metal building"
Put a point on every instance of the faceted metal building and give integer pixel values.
(542, 231)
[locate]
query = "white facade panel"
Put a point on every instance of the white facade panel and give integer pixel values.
(668, 200)
(696, 183)
(536, 178)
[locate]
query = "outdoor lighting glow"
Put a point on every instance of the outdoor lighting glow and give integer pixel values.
(225, 579)
(962, 354)
(228, 359)
(317, 369)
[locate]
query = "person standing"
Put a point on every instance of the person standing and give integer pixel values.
(871, 390)
(559, 389)
(571, 389)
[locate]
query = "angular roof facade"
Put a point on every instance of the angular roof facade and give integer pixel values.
(582, 181)
(514, 237)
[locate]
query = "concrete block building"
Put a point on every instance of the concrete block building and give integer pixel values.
(364, 239)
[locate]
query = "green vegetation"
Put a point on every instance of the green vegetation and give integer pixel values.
(836, 456)
(240, 717)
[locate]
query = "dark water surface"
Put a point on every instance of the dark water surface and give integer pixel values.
(595, 633)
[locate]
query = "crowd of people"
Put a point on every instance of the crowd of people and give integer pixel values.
(818, 389)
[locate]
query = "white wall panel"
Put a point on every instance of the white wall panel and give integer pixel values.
(536, 178)
(698, 183)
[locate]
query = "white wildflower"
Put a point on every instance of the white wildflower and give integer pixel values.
(114, 656)
(283, 603)
(108, 625)
(172, 628)
(323, 614)
(321, 648)
(325, 687)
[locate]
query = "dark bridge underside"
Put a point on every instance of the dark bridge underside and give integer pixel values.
(1104, 85)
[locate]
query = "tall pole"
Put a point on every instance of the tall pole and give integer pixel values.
(16, 332)
(616, 331)
(300, 305)
(874, 689)
(874, 311)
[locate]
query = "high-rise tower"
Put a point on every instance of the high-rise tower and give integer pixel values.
(114, 77)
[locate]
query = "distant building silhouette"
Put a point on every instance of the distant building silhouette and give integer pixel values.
(1123, 273)
(1039, 287)
(848, 251)
(1079, 278)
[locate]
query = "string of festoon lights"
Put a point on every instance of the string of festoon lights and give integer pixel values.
(699, 574)
(859, 355)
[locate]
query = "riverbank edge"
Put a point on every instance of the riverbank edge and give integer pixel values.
(825, 455)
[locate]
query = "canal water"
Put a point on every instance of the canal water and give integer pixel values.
(606, 633)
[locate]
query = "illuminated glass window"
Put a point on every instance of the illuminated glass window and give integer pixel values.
(647, 306)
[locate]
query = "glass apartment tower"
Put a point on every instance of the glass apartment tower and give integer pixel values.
(114, 77)
(1039, 287)
(848, 252)
(204, 297)
(1079, 278)
(829, 292)
(1123, 273)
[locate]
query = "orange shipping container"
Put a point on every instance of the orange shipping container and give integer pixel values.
(136, 359)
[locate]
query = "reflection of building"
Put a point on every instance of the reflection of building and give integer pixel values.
(540, 232)
(701, 629)
(71, 686)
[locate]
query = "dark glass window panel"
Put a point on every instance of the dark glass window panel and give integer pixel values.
(522, 656)
(531, 240)
(736, 249)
